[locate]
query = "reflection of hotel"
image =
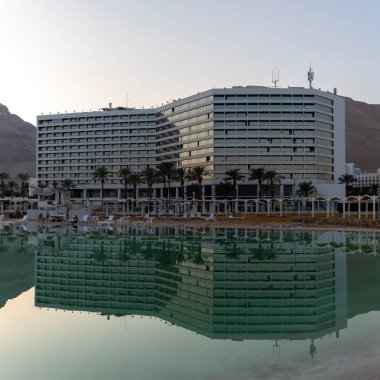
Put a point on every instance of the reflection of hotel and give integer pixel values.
(221, 287)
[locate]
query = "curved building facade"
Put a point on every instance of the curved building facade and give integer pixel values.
(298, 132)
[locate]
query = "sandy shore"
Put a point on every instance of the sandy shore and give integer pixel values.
(260, 221)
(251, 221)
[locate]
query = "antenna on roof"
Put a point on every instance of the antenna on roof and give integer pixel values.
(275, 77)
(310, 76)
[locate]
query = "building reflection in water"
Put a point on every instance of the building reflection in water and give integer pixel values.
(257, 285)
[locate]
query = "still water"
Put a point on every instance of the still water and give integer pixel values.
(175, 303)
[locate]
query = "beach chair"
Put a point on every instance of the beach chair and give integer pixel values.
(23, 220)
(210, 218)
(150, 221)
(107, 222)
(94, 219)
(122, 221)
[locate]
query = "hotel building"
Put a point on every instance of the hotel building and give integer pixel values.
(298, 132)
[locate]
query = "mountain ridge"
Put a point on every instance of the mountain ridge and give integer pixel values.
(17, 144)
(18, 139)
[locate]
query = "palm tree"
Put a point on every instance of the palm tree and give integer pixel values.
(374, 189)
(149, 174)
(68, 184)
(24, 178)
(347, 179)
(305, 189)
(167, 170)
(135, 179)
(224, 190)
(234, 176)
(182, 175)
(101, 174)
(3, 176)
(12, 186)
(271, 178)
(125, 174)
(197, 173)
(259, 175)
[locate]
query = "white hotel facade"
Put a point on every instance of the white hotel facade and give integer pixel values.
(298, 132)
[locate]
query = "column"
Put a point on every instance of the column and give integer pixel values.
(213, 192)
(373, 209)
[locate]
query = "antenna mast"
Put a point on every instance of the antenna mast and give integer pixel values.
(275, 77)
(310, 77)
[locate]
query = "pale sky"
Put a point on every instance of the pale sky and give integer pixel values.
(82, 54)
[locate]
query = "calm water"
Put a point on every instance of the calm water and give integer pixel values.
(172, 303)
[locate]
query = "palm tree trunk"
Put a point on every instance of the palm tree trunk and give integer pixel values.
(183, 189)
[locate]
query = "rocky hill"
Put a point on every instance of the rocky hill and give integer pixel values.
(17, 144)
(18, 139)
(363, 134)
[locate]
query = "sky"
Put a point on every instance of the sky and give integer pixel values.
(75, 55)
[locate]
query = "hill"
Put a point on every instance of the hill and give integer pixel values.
(18, 139)
(363, 134)
(17, 144)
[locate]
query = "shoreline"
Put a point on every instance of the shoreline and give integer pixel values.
(251, 222)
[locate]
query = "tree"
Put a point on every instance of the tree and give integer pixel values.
(135, 179)
(271, 178)
(68, 184)
(194, 190)
(305, 189)
(167, 170)
(374, 189)
(348, 180)
(149, 174)
(224, 190)
(258, 175)
(234, 175)
(101, 174)
(197, 174)
(125, 174)
(3, 176)
(12, 186)
(182, 175)
(24, 178)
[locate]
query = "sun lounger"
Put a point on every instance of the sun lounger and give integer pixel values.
(23, 220)
(107, 222)
(210, 218)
